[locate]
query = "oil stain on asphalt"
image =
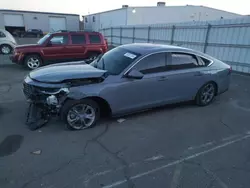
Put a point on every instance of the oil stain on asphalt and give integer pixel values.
(10, 145)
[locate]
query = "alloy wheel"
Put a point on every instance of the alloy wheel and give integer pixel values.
(81, 116)
(5, 49)
(33, 63)
(208, 93)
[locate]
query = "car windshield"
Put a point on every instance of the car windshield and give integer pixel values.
(42, 40)
(115, 60)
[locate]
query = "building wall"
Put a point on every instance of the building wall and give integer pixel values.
(156, 15)
(42, 21)
(106, 19)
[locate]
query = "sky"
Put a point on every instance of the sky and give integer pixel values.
(83, 7)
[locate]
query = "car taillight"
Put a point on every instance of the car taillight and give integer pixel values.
(106, 45)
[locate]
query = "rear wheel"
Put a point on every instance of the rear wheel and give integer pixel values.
(206, 94)
(32, 62)
(5, 49)
(80, 114)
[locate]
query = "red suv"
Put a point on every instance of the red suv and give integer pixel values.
(60, 47)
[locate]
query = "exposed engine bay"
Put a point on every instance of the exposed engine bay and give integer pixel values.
(46, 99)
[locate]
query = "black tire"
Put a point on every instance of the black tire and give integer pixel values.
(200, 98)
(3, 48)
(69, 104)
(28, 58)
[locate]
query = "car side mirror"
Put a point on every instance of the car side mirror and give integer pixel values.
(49, 44)
(135, 74)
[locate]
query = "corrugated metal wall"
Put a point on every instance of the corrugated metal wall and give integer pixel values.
(42, 20)
(227, 40)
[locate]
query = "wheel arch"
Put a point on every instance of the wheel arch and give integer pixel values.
(32, 53)
(211, 81)
(105, 108)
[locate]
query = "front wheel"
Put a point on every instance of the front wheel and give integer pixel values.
(206, 94)
(5, 49)
(80, 114)
(32, 62)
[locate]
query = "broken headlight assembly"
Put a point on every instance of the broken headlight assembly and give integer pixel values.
(39, 113)
(53, 99)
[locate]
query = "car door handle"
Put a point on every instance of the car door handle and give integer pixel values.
(162, 78)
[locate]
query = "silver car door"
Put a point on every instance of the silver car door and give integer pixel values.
(137, 94)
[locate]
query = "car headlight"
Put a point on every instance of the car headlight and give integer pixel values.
(52, 100)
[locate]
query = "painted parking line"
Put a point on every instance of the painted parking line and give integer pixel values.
(193, 156)
(95, 175)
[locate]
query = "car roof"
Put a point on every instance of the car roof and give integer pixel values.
(147, 48)
(77, 32)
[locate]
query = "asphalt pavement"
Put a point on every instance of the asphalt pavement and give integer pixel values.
(171, 147)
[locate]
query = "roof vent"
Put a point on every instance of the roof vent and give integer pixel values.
(161, 4)
(124, 6)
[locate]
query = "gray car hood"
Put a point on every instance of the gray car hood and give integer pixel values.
(65, 71)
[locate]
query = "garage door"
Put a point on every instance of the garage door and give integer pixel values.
(13, 20)
(57, 23)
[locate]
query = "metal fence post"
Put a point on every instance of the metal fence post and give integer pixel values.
(172, 35)
(207, 37)
(149, 29)
(120, 35)
(111, 36)
(133, 39)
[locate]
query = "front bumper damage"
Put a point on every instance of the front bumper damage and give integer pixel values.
(44, 103)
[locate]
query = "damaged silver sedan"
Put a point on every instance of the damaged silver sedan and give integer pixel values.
(126, 79)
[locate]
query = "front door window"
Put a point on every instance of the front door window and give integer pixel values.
(59, 40)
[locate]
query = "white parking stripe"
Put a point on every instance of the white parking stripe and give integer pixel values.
(179, 161)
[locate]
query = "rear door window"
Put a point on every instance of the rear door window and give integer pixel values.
(78, 39)
(94, 39)
(183, 61)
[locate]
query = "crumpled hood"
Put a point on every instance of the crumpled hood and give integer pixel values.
(65, 71)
